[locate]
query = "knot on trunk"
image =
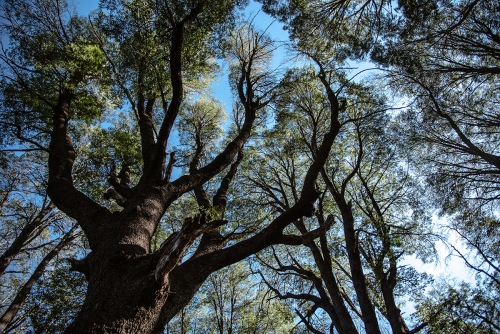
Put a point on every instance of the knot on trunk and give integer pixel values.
(81, 266)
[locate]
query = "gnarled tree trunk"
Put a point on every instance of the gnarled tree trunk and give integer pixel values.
(134, 290)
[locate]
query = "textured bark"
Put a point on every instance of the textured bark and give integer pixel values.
(123, 295)
(60, 184)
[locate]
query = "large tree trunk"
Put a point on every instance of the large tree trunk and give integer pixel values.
(126, 293)
(123, 295)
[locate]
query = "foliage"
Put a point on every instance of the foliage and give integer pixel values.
(325, 178)
(57, 300)
(461, 309)
(232, 301)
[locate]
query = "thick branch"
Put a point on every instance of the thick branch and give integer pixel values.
(220, 198)
(178, 31)
(121, 191)
(146, 128)
(213, 240)
(307, 237)
(357, 274)
(172, 250)
(60, 185)
(308, 190)
(205, 264)
(170, 167)
(221, 161)
(303, 207)
(307, 323)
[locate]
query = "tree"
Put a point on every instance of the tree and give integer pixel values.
(34, 233)
(51, 88)
(461, 308)
(351, 273)
(441, 60)
(452, 116)
(315, 172)
(23, 219)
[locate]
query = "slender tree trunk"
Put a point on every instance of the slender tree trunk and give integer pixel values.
(358, 277)
(23, 237)
(387, 279)
(343, 320)
(23, 293)
(396, 321)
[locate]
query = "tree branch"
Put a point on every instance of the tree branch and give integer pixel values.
(60, 184)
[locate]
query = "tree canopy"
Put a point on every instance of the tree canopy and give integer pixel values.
(132, 200)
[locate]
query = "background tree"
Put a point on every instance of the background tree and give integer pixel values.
(441, 59)
(450, 89)
(35, 237)
(352, 269)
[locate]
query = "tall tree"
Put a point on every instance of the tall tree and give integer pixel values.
(351, 273)
(452, 115)
(56, 64)
(441, 59)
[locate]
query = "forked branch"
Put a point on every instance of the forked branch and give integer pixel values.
(173, 249)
